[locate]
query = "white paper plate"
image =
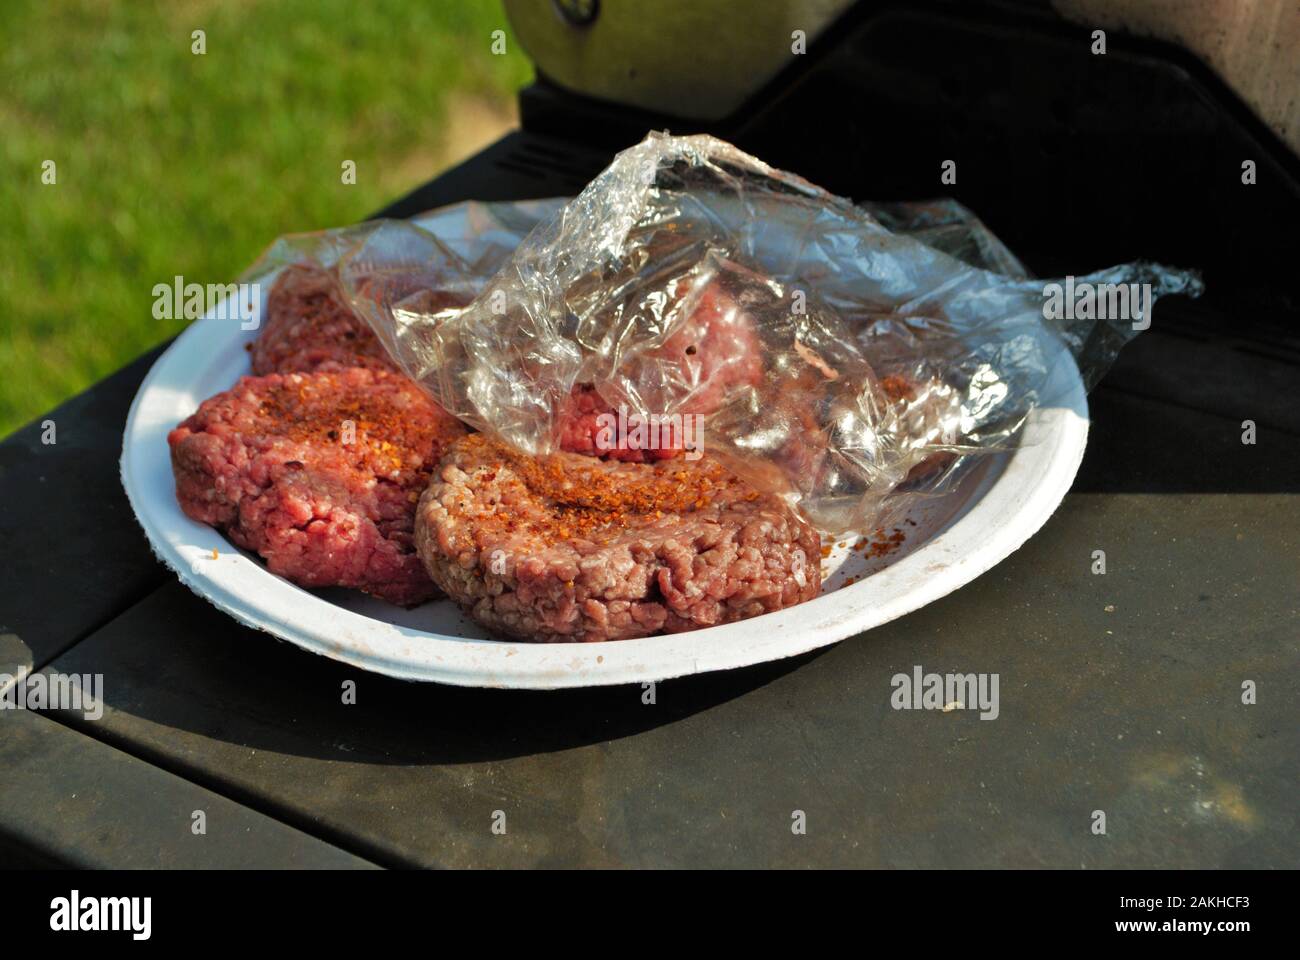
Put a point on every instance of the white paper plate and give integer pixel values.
(953, 540)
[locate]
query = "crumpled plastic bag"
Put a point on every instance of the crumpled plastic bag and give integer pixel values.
(849, 357)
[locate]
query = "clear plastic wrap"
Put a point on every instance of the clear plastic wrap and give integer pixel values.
(848, 357)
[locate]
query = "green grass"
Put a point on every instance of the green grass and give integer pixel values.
(170, 163)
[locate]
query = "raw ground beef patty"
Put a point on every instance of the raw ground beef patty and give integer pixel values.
(570, 548)
(319, 473)
(715, 348)
(310, 326)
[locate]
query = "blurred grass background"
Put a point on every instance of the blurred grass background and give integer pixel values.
(172, 163)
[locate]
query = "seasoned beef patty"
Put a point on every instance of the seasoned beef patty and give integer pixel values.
(319, 473)
(570, 548)
(308, 323)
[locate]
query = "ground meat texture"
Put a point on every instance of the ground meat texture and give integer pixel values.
(716, 349)
(318, 473)
(309, 325)
(571, 548)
